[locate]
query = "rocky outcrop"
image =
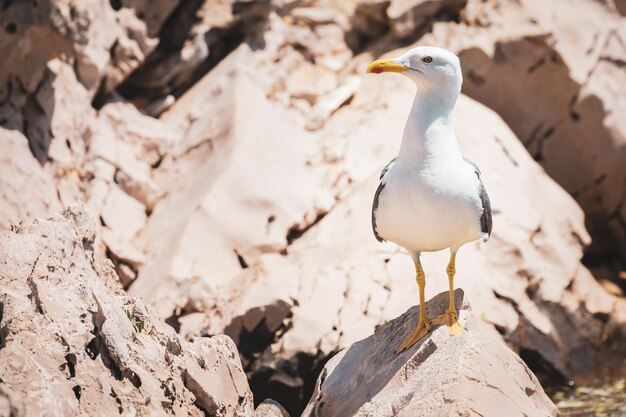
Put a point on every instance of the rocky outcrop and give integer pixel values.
(72, 344)
(291, 311)
(244, 206)
(470, 374)
(26, 191)
(195, 38)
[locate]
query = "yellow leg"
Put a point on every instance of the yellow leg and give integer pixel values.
(423, 325)
(449, 318)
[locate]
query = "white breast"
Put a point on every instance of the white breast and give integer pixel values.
(431, 208)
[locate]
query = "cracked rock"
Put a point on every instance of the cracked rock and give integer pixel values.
(474, 374)
(72, 344)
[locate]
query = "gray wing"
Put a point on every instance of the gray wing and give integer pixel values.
(486, 222)
(379, 190)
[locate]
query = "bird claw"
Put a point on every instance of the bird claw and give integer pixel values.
(423, 327)
(450, 319)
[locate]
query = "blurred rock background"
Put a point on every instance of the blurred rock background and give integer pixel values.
(228, 152)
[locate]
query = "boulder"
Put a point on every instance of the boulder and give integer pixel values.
(336, 283)
(26, 190)
(270, 408)
(199, 35)
(406, 17)
(471, 374)
(236, 187)
(104, 43)
(73, 344)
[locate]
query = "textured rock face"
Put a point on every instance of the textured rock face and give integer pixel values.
(25, 190)
(471, 374)
(72, 344)
(288, 311)
(244, 207)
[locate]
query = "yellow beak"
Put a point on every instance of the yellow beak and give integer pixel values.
(385, 65)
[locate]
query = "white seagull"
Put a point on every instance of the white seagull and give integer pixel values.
(430, 197)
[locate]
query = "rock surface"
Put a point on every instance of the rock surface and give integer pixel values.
(228, 152)
(72, 344)
(524, 281)
(472, 374)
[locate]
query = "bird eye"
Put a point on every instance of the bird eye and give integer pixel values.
(427, 59)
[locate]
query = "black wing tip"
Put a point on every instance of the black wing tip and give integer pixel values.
(380, 188)
(486, 220)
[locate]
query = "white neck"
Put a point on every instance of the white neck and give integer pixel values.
(428, 134)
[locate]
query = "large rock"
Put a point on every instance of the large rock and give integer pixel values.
(199, 35)
(336, 283)
(26, 191)
(237, 186)
(72, 344)
(104, 40)
(471, 374)
(406, 17)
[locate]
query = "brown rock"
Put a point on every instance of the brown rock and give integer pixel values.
(202, 234)
(104, 44)
(408, 16)
(439, 376)
(370, 18)
(200, 35)
(336, 283)
(26, 190)
(318, 16)
(270, 408)
(124, 215)
(308, 82)
(72, 345)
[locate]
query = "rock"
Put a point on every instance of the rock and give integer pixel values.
(328, 292)
(317, 16)
(309, 82)
(408, 16)
(270, 408)
(26, 190)
(202, 234)
(370, 18)
(122, 214)
(104, 44)
(200, 34)
(330, 103)
(439, 376)
(73, 344)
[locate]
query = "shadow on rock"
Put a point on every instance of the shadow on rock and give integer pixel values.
(438, 375)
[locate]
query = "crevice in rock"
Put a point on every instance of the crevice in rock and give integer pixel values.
(289, 381)
(110, 364)
(92, 349)
(241, 260)
(113, 394)
(70, 365)
(3, 329)
(173, 322)
(77, 391)
(146, 83)
(297, 230)
(545, 372)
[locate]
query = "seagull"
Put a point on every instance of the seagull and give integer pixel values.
(430, 197)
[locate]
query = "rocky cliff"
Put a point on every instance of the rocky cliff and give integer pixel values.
(228, 151)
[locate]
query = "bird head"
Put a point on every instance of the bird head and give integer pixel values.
(429, 67)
